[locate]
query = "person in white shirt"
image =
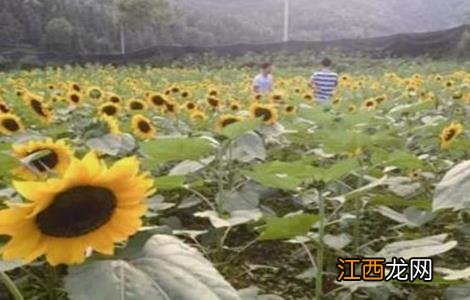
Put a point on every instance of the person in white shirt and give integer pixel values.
(263, 82)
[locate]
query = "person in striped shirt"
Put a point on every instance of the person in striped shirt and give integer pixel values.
(324, 82)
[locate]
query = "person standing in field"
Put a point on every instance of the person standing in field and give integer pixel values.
(263, 82)
(324, 82)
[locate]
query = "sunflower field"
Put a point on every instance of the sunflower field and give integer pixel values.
(181, 184)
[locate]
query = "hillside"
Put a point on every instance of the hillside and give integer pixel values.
(261, 21)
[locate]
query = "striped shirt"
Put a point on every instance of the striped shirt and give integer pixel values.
(325, 83)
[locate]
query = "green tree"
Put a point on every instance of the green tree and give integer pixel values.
(58, 34)
(137, 14)
(11, 30)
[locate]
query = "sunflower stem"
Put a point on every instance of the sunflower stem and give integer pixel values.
(321, 248)
(358, 209)
(11, 286)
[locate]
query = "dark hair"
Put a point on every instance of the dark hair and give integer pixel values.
(326, 62)
(265, 65)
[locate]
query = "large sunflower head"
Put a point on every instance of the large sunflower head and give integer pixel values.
(42, 157)
(267, 113)
(10, 124)
(225, 121)
(91, 207)
(450, 133)
(143, 127)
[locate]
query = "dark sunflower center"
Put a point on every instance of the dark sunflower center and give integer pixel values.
(74, 98)
(158, 100)
(110, 110)
(170, 107)
(11, 125)
(77, 211)
(144, 126)
(213, 102)
(191, 106)
(76, 87)
(264, 113)
(229, 121)
(137, 105)
(37, 107)
(47, 162)
(369, 104)
(4, 108)
(115, 99)
(95, 94)
(449, 134)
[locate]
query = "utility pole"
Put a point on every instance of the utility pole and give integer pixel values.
(286, 21)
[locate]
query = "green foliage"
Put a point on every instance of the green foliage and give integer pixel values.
(288, 227)
(176, 149)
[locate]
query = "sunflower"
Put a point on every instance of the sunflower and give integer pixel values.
(415, 174)
(189, 105)
(76, 87)
(74, 98)
(10, 124)
(4, 107)
(90, 207)
(137, 104)
(290, 110)
(235, 106)
(112, 125)
(266, 112)
(213, 102)
(369, 104)
(213, 93)
(109, 109)
(143, 127)
(225, 121)
(171, 108)
(41, 109)
(113, 98)
(198, 115)
(449, 84)
(157, 100)
(185, 94)
(95, 93)
(449, 134)
(56, 159)
(308, 97)
(352, 108)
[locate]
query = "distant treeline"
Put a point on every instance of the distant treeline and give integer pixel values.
(441, 44)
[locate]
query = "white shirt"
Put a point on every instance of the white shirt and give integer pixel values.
(264, 84)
